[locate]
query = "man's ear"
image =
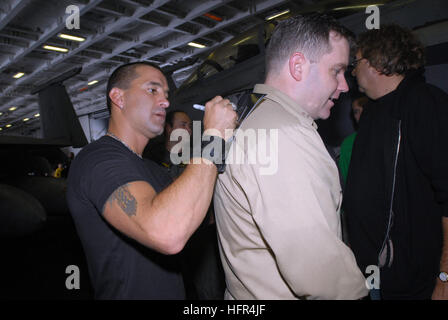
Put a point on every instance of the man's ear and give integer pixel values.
(297, 63)
(372, 69)
(116, 96)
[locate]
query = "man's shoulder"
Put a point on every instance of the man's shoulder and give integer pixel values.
(96, 153)
(420, 92)
(101, 148)
(269, 115)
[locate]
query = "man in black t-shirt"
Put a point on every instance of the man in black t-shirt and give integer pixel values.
(131, 219)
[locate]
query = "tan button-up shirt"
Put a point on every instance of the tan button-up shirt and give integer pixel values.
(279, 225)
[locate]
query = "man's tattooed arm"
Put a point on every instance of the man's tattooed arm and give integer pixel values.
(125, 200)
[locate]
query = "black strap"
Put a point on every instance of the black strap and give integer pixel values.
(247, 103)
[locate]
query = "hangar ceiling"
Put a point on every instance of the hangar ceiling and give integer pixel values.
(114, 32)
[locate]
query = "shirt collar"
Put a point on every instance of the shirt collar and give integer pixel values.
(285, 102)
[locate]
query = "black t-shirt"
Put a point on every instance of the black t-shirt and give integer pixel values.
(119, 267)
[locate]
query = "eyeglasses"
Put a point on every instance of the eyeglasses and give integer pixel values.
(355, 62)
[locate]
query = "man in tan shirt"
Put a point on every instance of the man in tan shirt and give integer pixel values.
(278, 224)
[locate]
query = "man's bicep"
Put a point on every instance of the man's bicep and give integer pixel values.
(127, 210)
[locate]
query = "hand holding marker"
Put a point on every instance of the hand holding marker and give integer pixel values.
(202, 108)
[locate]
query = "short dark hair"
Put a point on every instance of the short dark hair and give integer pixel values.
(391, 49)
(123, 75)
(308, 34)
(170, 116)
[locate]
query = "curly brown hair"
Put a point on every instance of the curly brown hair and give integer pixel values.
(391, 49)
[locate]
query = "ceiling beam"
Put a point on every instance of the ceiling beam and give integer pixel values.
(102, 34)
(14, 7)
(151, 35)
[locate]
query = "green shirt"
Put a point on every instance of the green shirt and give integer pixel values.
(346, 154)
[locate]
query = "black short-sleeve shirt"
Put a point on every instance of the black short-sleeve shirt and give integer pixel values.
(119, 267)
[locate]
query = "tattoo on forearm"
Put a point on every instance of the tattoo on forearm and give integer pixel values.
(125, 200)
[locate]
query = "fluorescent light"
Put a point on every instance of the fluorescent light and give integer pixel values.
(12, 108)
(53, 48)
(18, 75)
(1, 113)
(26, 119)
(37, 115)
(196, 45)
(1, 129)
(92, 82)
(277, 15)
(8, 126)
(69, 37)
(241, 41)
(356, 7)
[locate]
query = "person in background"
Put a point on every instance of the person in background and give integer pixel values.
(161, 152)
(347, 145)
(396, 196)
(58, 172)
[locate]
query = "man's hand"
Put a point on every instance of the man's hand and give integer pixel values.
(219, 115)
(440, 291)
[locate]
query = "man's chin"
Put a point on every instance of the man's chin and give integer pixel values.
(156, 132)
(326, 111)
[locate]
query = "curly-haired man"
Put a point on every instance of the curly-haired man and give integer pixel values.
(396, 198)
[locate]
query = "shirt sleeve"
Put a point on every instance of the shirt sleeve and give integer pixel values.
(296, 214)
(107, 172)
(428, 135)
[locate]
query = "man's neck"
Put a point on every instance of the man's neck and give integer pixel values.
(132, 140)
(278, 83)
(388, 84)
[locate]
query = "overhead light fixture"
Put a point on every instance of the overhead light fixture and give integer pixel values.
(277, 15)
(1, 113)
(18, 75)
(196, 45)
(241, 41)
(37, 115)
(1, 129)
(356, 7)
(12, 108)
(92, 82)
(26, 119)
(8, 126)
(212, 16)
(53, 48)
(69, 37)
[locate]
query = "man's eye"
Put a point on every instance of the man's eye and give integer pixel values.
(152, 90)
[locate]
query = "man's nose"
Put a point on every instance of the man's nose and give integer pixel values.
(343, 86)
(164, 102)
